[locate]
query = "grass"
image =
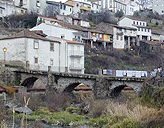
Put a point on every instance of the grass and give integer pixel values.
(58, 118)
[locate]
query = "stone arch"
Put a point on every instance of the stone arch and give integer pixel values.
(71, 87)
(29, 82)
(115, 90)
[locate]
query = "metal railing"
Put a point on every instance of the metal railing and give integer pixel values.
(76, 53)
(77, 67)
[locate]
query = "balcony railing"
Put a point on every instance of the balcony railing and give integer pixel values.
(76, 53)
(76, 67)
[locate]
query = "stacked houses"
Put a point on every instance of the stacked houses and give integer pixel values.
(59, 41)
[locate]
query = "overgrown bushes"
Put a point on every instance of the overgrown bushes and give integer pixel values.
(153, 96)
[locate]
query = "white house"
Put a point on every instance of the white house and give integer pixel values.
(143, 31)
(37, 6)
(114, 5)
(53, 28)
(132, 6)
(95, 7)
(124, 37)
(6, 8)
(158, 6)
(66, 9)
(36, 52)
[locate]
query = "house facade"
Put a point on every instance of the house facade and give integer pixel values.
(124, 37)
(132, 6)
(56, 30)
(143, 31)
(37, 6)
(6, 8)
(113, 5)
(38, 52)
(95, 7)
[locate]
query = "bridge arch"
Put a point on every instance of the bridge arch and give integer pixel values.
(115, 90)
(71, 87)
(29, 82)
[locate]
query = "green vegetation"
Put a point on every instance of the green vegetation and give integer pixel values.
(59, 118)
(153, 96)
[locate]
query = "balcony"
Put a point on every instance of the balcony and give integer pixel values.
(76, 67)
(76, 53)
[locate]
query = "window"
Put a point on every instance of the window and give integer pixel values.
(143, 24)
(36, 44)
(148, 30)
(133, 22)
(37, 3)
(62, 36)
(137, 23)
(145, 29)
(142, 29)
(1, 11)
(117, 37)
(51, 62)
(140, 23)
(21, 3)
(22, 11)
(70, 9)
(121, 38)
(78, 48)
(64, 7)
(51, 46)
(78, 61)
(36, 60)
(138, 29)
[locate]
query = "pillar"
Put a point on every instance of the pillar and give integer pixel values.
(104, 43)
(50, 77)
(91, 43)
(148, 38)
(128, 42)
(140, 37)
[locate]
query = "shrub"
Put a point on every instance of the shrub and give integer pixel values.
(99, 122)
(152, 96)
(57, 101)
(126, 123)
(73, 110)
(97, 108)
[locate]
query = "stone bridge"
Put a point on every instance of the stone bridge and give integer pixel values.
(103, 86)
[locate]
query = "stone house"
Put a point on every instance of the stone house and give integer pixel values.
(151, 46)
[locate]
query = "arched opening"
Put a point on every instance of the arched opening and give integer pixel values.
(122, 90)
(29, 82)
(71, 87)
(79, 91)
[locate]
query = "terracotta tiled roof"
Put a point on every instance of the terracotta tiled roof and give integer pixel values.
(73, 42)
(154, 42)
(105, 27)
(28, 34)
(70, 3)
(133, 18)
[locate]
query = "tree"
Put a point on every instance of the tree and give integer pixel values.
(21, 21)
(119, 13)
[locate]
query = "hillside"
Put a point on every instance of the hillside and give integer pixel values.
(122, 59)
